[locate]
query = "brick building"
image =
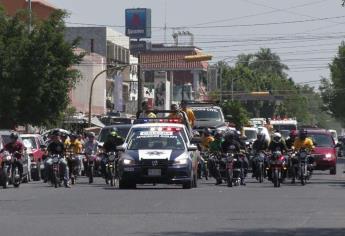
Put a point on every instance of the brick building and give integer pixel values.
(41, 9)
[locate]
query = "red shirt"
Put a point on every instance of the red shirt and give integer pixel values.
(16, 147)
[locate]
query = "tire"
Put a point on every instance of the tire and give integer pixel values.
(229, 178)
(112, 181)
(16, 183)
(187, 185)
(206, 172)
(90, 175)
(302, 177)
(260, 174)
(56, 179)
(73, 180)
(4, 180)
(195, 181)
(333, 171)
(276, 181)
(123, 184)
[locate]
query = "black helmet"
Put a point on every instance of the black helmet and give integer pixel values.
(218, 135)
(230, 135)
(56, 133)
(14, 136)
(303, 134)
(207, 131)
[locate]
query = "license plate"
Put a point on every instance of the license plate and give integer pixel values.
(154, 172)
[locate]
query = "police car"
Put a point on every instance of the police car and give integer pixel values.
(158, 151)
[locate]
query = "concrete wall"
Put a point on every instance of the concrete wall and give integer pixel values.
(92, 64)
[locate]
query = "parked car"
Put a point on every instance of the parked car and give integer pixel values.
(33, 143)
(5, 137)
(325, 151)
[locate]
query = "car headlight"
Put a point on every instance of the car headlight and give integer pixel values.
(181, 160)
(127, 162)
(328, 155)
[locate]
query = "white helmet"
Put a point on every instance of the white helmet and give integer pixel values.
(276, 137)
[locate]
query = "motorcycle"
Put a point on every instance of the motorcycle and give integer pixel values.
(56, 173)
(277, 168)
(10, 171)
(304, 170)
(260, 166)
(74, 167)
(111, 171)
(90, 166)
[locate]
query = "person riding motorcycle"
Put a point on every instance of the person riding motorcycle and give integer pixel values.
(16, 148)
(278, 143)
(259, 145)
(57, 147)
(73, 149)
(290, 141)
(215, 147)
(206, 139)
(231, 138)
(302, 142)
(91, 148)
(113, 140)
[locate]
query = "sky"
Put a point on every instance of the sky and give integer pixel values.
(304, 33)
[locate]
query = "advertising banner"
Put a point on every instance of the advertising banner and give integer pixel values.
(138, 23)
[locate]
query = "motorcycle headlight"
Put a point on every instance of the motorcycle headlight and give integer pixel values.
(181, 160)
(128, 162)
(8, 157)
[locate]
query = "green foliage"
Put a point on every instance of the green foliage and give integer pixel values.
(263, 71)
(236, 112)
(333, 91)
(35, 70)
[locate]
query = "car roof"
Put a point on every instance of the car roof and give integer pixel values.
(117, 126)
(29, 135)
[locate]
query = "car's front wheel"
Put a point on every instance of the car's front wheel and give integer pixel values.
(333, 171)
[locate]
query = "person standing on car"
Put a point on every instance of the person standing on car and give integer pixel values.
(113, 140)
(189, 112)
(16, 148)
(57, 147)
(146, 111)
(175, 112)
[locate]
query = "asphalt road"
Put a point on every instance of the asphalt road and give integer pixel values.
(256, 209)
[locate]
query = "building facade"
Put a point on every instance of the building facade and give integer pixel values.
(41, 9)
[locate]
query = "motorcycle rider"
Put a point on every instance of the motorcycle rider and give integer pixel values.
(73, 148)
(57, 147)
(216, 148)
(113, 140)
(16, 148)
(206, 139)
(231, 138)
(259, 145)
(91, 148)
(302, 142)
(277, 143)
(292, 137)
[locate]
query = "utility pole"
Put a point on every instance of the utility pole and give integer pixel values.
(30, 16)
(232, 89)
(140, 84)
(221, 83)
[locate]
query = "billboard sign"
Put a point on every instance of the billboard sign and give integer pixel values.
(138, 23)
(137, 46)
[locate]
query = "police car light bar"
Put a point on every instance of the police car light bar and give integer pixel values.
(157, 120)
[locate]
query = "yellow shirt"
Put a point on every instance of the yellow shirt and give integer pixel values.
(74, 147)
(306, 143)
(191, 116)
(205, 141)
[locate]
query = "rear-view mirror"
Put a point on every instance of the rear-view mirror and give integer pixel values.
(192, 148)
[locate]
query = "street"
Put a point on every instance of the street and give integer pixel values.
(256, 209)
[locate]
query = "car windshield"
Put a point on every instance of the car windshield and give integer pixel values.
(122, 131)
(322, 140)
(250, 134)
(156, 139)
(204, 113)
(29, 142)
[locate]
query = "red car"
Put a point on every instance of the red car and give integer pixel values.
(325, 152)
(33, 143)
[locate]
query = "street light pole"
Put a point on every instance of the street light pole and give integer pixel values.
(91, 89)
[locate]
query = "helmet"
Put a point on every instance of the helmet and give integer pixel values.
(56, 133)
(293, 134)
(303, 134)
(261, 136)
(91, 135)
(277, 137)
(14, 136)
(113, 134)
(230, 135)
(73, 136)
(207, 131)
(218, 135)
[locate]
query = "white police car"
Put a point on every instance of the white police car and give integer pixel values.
(157, 151)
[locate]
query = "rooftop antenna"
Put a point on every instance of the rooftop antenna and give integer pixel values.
(165, 22)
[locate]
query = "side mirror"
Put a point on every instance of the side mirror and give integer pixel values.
(121, 148)
(192, 148)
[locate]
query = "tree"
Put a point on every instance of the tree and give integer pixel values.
(237, 113)
(35, 70)
(333, 91)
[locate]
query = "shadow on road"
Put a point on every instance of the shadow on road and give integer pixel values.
(261, 232)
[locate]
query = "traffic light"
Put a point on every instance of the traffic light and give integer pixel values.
(198, 57)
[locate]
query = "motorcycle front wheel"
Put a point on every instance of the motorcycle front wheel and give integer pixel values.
(230, 177)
